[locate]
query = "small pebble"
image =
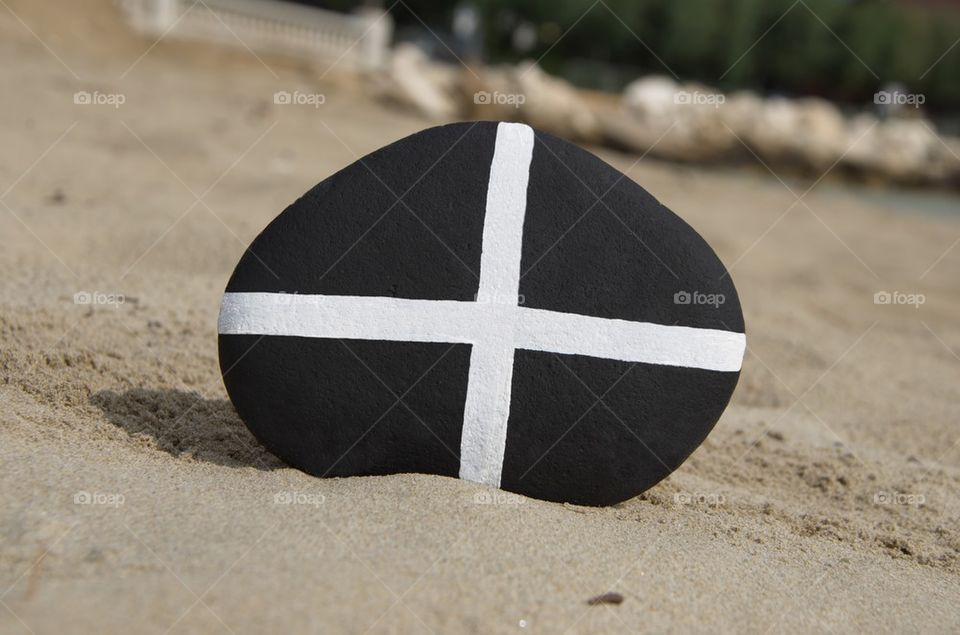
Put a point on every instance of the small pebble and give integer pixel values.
(57, 197)
(611, 597)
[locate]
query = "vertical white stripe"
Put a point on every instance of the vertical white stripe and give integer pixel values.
(506, 207)
(487, 406)
(485, 414)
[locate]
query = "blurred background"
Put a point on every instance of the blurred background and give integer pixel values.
(865, 88)
(842, 50)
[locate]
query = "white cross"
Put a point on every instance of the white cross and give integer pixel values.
(494, 328)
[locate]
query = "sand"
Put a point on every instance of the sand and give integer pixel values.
(132, 499)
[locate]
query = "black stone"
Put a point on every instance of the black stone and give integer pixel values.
(581, 429)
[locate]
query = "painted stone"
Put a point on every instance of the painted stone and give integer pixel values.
(487, 301)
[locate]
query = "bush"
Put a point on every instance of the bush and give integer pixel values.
(843, 51)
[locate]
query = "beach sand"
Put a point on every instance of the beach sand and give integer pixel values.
(132, 499)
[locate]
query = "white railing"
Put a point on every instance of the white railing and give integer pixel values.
(360, 40)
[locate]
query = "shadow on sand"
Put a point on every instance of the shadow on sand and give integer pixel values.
(184, 424)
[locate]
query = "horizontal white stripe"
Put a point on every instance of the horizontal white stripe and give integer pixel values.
(349, 317)
(397, 319)
(540, 330)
